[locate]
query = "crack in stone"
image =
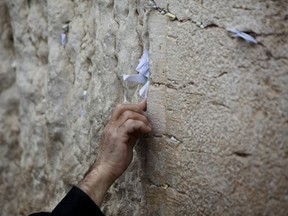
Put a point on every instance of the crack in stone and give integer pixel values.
(241, 7)
(217, 103)
(167, 186)
(241, 154)
(270, 55)
(170, 86)
(221, 74)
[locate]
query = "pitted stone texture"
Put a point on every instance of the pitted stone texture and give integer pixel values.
(224, 144)
(10, 151)
(60, 128)
(219, 106)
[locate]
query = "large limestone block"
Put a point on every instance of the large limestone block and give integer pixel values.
(223, 147)
(218, 106)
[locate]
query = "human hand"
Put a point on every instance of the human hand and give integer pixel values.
(127, 123)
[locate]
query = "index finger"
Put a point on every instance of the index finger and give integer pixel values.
(121, 108)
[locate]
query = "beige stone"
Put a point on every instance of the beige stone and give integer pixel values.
(218, 106)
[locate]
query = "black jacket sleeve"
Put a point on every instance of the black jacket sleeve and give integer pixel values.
(75, 203)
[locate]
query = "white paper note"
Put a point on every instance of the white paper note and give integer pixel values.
(137, 78)
(143, 75)
(143, 92)
(248, 38)
(63, 39)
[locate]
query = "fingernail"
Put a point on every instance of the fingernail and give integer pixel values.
(150, 129)
(144, 102)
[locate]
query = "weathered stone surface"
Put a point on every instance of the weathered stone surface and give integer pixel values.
(219, 106)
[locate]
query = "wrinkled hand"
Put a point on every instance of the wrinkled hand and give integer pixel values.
(127, 123)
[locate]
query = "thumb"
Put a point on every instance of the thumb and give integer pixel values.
(143, 104)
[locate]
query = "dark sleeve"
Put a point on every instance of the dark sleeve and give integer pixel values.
(75, 203)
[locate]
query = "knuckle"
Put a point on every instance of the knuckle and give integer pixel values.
(118, 107)
(130, 122)
(114, 135)
(111, 133)
(128, 114)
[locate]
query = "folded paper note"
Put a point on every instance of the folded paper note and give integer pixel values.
(85, 95)
(63, 39)
(144, 90)
(248, 38)
(137, 78)
(143, 66)
(143, 75)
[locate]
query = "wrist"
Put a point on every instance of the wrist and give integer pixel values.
(96, 184)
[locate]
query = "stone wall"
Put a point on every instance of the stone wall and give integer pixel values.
(218, 105)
